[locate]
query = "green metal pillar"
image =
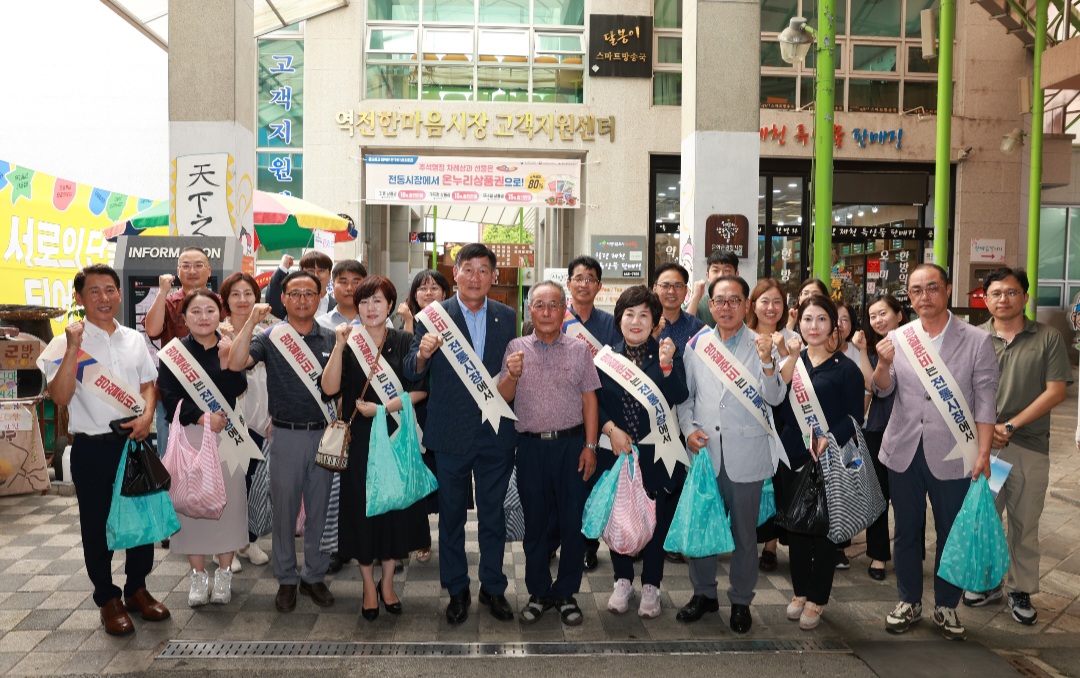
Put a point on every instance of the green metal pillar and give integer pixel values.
(943, 165)
(521, 282)
(435, 242)
(824, 97)
(1035, 185)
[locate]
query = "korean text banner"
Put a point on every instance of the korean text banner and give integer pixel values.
(453, 180)
(54, 227)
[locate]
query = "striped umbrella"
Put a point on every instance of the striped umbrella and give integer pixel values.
(281, 221)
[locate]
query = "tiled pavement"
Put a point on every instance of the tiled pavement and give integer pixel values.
(49, 624)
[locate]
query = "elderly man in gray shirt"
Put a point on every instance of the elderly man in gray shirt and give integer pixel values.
(731, 374)
(552, 381)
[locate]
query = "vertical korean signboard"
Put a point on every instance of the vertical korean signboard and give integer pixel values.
(281, 117)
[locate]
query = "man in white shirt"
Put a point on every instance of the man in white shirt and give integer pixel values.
(118, 353)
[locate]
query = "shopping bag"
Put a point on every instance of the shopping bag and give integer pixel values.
(140, 520)
(767, 508)
(976, 555)
(396, 474)
(701, 526)
(513, 511)
(807, 512)
(260, 515)
(598, 505)
(144, 473)
(853, 495)
(198, 486)
(633, 513)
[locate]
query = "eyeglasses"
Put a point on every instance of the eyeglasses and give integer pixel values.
(429, 289)
(998, 294)
(301, 294)
(668, 287)
(721, 302)
(931, 290)
(193, 267)
(584, 279)
(539, 306)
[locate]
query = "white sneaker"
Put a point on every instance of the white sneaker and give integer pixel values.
(199, 593)
(649, 608)
(235, 567)
(619, 602)
(254, 554)
(222, 587)
(949, 623)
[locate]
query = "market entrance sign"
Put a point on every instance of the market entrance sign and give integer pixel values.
(457, 180)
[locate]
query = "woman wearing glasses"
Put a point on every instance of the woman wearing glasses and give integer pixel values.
(392, 536)
(626, 422)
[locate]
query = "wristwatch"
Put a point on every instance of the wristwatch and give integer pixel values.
(591, 446)
(1009, 428)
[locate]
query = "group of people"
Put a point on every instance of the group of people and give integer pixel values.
(761, 390)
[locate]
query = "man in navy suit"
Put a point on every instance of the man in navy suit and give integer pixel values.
(462, 442)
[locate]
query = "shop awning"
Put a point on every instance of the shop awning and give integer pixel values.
(151, 17)
(492, 214)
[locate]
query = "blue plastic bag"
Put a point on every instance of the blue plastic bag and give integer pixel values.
(701, 526)
(136, 521)
(767, 509)
(598, 506)
(397, 477)
(976, 555)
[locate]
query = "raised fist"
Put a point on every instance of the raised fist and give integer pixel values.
(794, 345)
(858, 340)
(165, 281)
(886, 351)
(287, 261)
(428, 345)
(667, 352)
(74, 334)
(259, 312)
(780, 343)
(515, 363)
(341, 333)
(764, 347)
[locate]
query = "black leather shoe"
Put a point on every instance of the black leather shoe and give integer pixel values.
(591, 561)
(458, 609)
(318, 592)
(497, 605)
(697, 607)
(876, 573)
(392, 608)
(741, 621)
(285, 601)
(336, 563)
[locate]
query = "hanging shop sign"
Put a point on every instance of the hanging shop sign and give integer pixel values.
(896, 232)
(458, 180)
(862, 137)
(478, 125)
(727, 233)
(619, 256)
(621, 46)
(512, 255)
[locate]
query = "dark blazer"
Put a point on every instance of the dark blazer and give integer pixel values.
(273, 294)
(453, 418)
(610, 399)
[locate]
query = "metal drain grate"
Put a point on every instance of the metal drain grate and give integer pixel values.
(225, 649)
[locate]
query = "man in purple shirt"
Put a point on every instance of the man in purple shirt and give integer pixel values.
(552, 382)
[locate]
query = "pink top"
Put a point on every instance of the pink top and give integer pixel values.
(553, 378)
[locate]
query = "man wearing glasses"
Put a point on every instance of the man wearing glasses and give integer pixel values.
(670, 285)
(1035, 371)
(295, 351)
(945, 374)
(738, 434)
(552, 381)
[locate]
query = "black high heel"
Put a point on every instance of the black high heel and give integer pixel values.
(373, 613)
(392, 608)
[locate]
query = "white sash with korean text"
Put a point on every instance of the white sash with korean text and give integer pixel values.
(805, 403)
(98, 379)
(574, 328)
(943, 390)
(468, 367)
(204, 392)
(384, 382)
(663, 422)
(740, 382)
(299, 357)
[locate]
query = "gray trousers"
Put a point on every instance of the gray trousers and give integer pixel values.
(294, 474)
(742, 501)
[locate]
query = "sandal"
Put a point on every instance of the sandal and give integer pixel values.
(534, 609)
(795, 608)
(423, 555)
(811, 616)
(569, 611)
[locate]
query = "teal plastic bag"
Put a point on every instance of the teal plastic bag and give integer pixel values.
(701, 526)
(397, 477)
(976, 555)
(767, 509)
(136, 521)
(598, 506)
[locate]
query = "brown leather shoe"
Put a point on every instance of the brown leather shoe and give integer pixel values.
(319, 593)
(285, 601)
(148, 608)
(116, 619)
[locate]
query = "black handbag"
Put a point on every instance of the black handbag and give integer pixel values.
(144, 472)
(808, 511)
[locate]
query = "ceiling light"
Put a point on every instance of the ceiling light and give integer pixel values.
(800, 220)
(779, 223)
(670, 215)
(776, 190)
(792, 185)
(672, 188)
(662, 195)
(837, 218)
(861, 213)
(874, 209)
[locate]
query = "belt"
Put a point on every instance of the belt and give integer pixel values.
(578, 430)
(314, 426)
(110, 436)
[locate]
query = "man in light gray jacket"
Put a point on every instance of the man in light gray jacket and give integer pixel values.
(732, 376)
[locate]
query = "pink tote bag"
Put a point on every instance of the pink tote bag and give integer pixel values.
(633, 515)
(198, 487)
